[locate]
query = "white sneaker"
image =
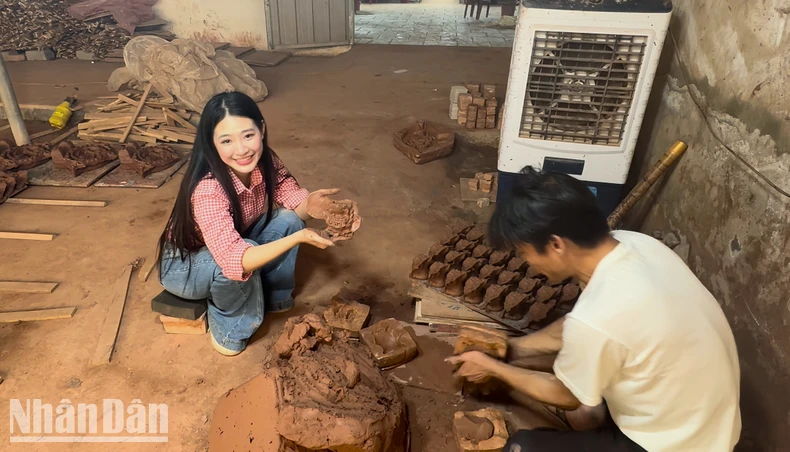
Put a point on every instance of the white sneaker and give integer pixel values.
(222, 350)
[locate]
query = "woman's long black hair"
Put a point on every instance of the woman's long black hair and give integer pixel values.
(181, 231)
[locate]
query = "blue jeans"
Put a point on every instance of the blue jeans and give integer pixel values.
(236, 308)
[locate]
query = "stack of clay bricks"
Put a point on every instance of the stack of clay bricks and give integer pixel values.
(497, 283)
(477, 108)
(483, 182)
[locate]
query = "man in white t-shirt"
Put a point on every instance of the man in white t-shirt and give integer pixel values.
(645, 360)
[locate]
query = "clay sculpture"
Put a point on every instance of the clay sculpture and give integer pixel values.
(464, 245)
(389, 342)
(437, 273)
(454, 258)
(470, 264)
(516, 305)
(481, 252)
(528, 285)
(346, 315)
(424, 141)
(149, 159)
(500, 258)
(490, 271)
(451, 241)
(79, 159)
(475, 235)
(517, 265)
(482, 430)
(342, 220)
(474, 338)
(539, 310)
(474, 288)
(420, 267)
(546, 292)
(438, 252)
(11, 184)
(24, 157)
(454, 283)
(494, 298)
(570, 292)
(507, 277)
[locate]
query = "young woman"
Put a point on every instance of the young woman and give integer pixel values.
(225, 239)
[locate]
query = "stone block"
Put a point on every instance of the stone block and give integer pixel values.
(40, 55)
(456, 91)
(83, 55)
(13, 55)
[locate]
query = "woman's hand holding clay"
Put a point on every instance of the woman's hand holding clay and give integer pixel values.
(312, 237)
(342, 217)
(318, 204)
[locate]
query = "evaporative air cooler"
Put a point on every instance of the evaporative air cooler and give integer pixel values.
(580, 77)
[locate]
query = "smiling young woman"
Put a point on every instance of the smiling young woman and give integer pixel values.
(225, 240)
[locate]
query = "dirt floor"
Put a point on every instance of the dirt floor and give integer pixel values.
(331, 120)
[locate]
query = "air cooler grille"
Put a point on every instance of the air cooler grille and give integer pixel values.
(581, 86)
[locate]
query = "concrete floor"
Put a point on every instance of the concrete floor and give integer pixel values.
(331, 120)
(430, 23)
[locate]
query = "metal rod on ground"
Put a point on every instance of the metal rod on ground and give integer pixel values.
(11, 105)
(669, 158)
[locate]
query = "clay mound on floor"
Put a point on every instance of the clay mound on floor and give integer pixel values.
(329, 397)
(79, 159)
(149, 159)
(25, 157)
(12, 183)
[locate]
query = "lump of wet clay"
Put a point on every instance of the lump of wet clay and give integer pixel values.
(301, 334)
(499, 258)
(474, 288)
(494, 298)
(145, 160)
(517, 265)
(389, 342)
(470, 264)
(464, 245)
(527, 285)
(24, 157)
(11, 184)
(570, 292)
(346, 315)
(475, 235)
(490, 271)
(82, 158)
(507, 277)
(438, 252)
(342, 220)
(334, 398)
(516, 305)
(481, 252)
(454, 258)
(546, 292)
(539, 310)
(420, 266)
(482, 430)
(454, 283)
(474, 338)
(437, 274)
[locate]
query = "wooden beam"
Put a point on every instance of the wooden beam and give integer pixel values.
(56, 202)
(43, 134)
(180, 120)
(112, 323)
(65, 135)
(136, 113)
(128, 100)
(27, 236)
(27, 287)
(39, 314)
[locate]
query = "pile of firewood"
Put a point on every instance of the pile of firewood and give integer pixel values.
(158, 120)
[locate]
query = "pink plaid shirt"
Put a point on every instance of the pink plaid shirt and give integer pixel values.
(212, 210)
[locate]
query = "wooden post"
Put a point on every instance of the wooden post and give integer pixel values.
(11, 105)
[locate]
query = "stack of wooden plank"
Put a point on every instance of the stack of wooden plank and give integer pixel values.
(141, 118)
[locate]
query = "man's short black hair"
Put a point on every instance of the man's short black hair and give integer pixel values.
(542, 204)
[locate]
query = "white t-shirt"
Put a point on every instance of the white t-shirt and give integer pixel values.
(648, 337)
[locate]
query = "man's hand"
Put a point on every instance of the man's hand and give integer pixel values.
(318, 203)
(476, 367)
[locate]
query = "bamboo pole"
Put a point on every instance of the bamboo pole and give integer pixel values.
(11, 105)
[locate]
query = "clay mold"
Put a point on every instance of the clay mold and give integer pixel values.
(389, 342)
(148, 159)
(347, 315)
(79, 159)
(482, 430)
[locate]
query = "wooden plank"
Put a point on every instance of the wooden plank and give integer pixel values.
(124, 178)
(39, 314)
(5, 127)
(56, 202)
(136, 113)
(274, 10)
(168, 120)
(178, 135)
(65, 135)
(321, 21)
(304, 21)
(220, 45)
(43, 134)
(146, 269)
(338, 21)
(287, 24)
(122, 120)
(95, 116)
(47, 175)
(27, 287)
(240, 51)
(421, 318)
(27, 236)
(115, 137)
(180, 120)
(264, 58)
(112, 323)
(128, 100)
